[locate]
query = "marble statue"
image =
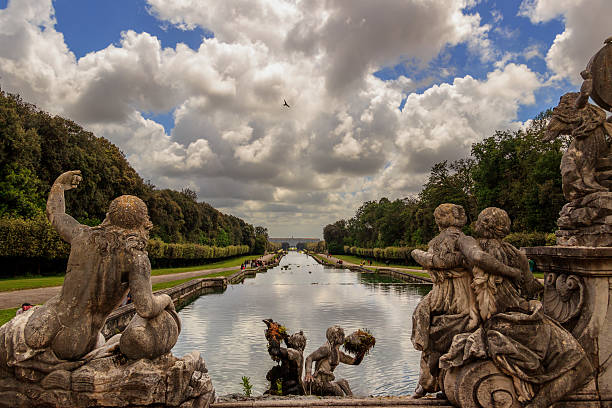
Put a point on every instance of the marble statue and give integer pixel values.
(57, 351)
(525, 357)
(287, 375)
(586, 165)
(326, 358)
(450, 307)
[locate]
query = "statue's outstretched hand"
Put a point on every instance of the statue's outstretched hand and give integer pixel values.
(308, 378)
(69, 179)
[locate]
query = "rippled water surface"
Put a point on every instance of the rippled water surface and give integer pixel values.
(227, 327)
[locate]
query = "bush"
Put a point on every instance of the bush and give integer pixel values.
(531, 239)
(32, 246)
(395, 254)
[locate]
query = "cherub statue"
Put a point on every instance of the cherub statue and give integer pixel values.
(289, 373)
(450, 307)
(544, 361)
(326, 358)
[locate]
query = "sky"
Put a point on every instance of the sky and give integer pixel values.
(379, 91)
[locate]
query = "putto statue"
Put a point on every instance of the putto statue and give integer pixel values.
(286, 378)
(57, 349)
(514, 355)
(326, 358)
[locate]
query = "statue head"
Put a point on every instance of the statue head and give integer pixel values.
(449, 215)
(297, 341)
(492, 222)
(128, 212)
(335, 335)
(568, 119)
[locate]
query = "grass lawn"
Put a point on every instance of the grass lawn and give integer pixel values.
(170, 284)
(226, 263)
(7, 314)
(48, 281)
(357, 260)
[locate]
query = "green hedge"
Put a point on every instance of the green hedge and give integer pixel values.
(518, 239)
(388, 253)
(32, 246)
(531, 239)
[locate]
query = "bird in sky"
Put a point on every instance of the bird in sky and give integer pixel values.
(286, 104)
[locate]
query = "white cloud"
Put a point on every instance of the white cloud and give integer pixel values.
(344, 139)
(587, 25)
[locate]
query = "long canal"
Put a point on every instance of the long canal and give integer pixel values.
(301, 294)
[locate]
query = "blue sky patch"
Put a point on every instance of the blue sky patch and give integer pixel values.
(164, 119)
(90, 25)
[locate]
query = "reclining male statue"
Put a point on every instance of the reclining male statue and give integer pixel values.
(105, 263)
(60, 345)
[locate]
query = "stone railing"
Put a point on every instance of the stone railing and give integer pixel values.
(403, 276)
(394, 273)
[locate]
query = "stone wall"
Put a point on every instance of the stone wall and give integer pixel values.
(182, 295)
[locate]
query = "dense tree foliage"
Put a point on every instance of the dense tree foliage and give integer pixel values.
(516, 171)
(36, 147)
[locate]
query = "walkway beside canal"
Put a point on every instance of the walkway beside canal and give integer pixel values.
(417, 273)
(41, 295)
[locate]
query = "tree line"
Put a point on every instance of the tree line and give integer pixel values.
(36, 147)
(513, 170)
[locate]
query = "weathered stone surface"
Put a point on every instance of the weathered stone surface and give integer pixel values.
(515, 355)
(291, 358)
(326, 358)
(54, 355)
(115, 382)
(578, 293)
(586, 166)
(146, 338)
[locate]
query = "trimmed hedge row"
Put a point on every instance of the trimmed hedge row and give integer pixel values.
(518, 239)
(531, 239)
(32, 246)
(388, 253)
(163, 254)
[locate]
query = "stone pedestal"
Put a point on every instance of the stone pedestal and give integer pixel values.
(577, 293)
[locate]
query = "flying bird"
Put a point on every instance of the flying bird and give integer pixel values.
(286, 104)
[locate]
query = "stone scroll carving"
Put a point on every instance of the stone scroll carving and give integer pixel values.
(55, 355)
(564, 297)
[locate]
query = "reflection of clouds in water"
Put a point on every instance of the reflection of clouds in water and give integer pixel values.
(228, 328)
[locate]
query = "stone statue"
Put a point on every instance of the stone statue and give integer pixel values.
(578, 270)
(59, 344)
(586, 165)
(450, 307)
(544, 361)
(326, 358)
(517, 355)
(289, 373)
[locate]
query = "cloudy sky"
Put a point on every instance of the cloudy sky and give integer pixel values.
(192, 90)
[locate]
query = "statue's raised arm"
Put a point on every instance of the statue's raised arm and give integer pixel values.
(66, 226)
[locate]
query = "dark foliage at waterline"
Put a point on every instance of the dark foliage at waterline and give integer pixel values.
(515, 171)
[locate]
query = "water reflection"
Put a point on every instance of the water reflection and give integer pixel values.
(303, 295)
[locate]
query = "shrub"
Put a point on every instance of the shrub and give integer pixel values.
(32, 246)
